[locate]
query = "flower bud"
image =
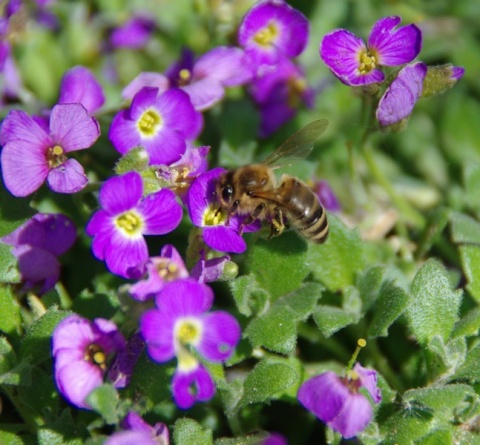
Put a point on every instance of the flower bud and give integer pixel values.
(441, 78)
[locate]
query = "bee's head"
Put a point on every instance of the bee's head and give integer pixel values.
(225, 192)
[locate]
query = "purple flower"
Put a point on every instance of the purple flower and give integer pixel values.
(118, 228)
(275, 439)
(181, 321)
(326, 196)
(122, 367)
(135, 33)
(80, 86)
(271, 30)
(208, 270)
(220, 232)
(137, 431)
(355, 63)
(81, 350)
(338, 402)
(161, 123)
(279, 91)
(205, 79)
(30, 154)
(37, 244)
(169, 266)
(400, 97)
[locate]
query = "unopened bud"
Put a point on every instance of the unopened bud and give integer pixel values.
(441, 78)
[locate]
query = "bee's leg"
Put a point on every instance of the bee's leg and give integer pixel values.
(252, 217)
(277, 226)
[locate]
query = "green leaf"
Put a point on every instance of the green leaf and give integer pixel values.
(471, 181)
(249, 297)
(8, 265)
(434, 307)
(276, 330)
(36, 343)
(302, 301)
(451, 355)
(268, 380)
(62, 432)
(437, 221)
(188, 432)
(370, 284)
(9, 438)
(336, 262)
(251, 439)
(104, 400)
(330, 319)
(10, 321)
(11, 372)
(288, 254)
(468, 325)
(438, 437)
(231, 394)
(464, 229)
(469, 370)
(391, 303)
(470, 257)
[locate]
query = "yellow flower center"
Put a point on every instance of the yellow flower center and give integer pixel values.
(55, 156)
(267, 35)
(188, 332)
(214, 216)
(167, 270)
(130, 223)
(149, 123)
(367, 62)
(95, 354)
(296, 87)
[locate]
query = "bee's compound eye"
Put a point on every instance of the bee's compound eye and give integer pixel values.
(227, 193)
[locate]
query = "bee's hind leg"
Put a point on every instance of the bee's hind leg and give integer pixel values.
(277, 225)
(249, 219)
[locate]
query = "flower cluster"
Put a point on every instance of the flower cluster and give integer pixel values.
(358, 64)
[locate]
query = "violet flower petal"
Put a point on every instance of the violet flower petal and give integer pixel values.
(67, 178)
(131, 437)
(399, 99)
(199, 379)
(368, 379)
(394, 47)
(121, 193)
(204, 93)
(79, 85)
(123, 132)
(161, 212)
(146, 79)
(157, 330)
(221, 336)
(72, 127)
(60, 232)
(354, 416)
(224, 239)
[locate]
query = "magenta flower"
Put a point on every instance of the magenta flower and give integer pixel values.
(30, 154)
(208, 270)
(37, 244)
(206, 78)
(181, 321)
(219, 231)
(134, 33)
(137, 431)
(338, 402)
(161, 123)
(118, 227)
(122, 367)
(80, 86)
(356, 64)
(271, 30)
(326, 196)
(400, 97)
(279, 91)
(81, 350)
(169, 266)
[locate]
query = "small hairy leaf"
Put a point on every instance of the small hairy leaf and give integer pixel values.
(188, 432)
(268, 380)
(10, 320)
(249, 297)
(104, 400)
(434, 305)
(464, 229)
(330, 319)
(336, 262)
(470, 256)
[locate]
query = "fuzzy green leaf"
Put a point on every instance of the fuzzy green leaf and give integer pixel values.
(276, 330)
(289, 255)
(471, 180)
(468, 325)
(434, 307)
(8, 265)
(330, 319)
(104, 400)
(391, 303)
(37, 342)
(188, 432)
(9, 438)
(470, 256)
(249, 297)
(464, 229)
(268, 380)
(469, 370)
(370, 284)
(11, 372)
(10, 320)
(336, 262)
(302, 301)
(251, 439)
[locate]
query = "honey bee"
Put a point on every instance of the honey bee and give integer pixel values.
(253, 190)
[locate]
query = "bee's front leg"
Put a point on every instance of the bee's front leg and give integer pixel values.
(277, 225)
(249, 219)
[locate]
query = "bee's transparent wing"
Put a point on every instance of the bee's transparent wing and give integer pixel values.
(298, 146)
